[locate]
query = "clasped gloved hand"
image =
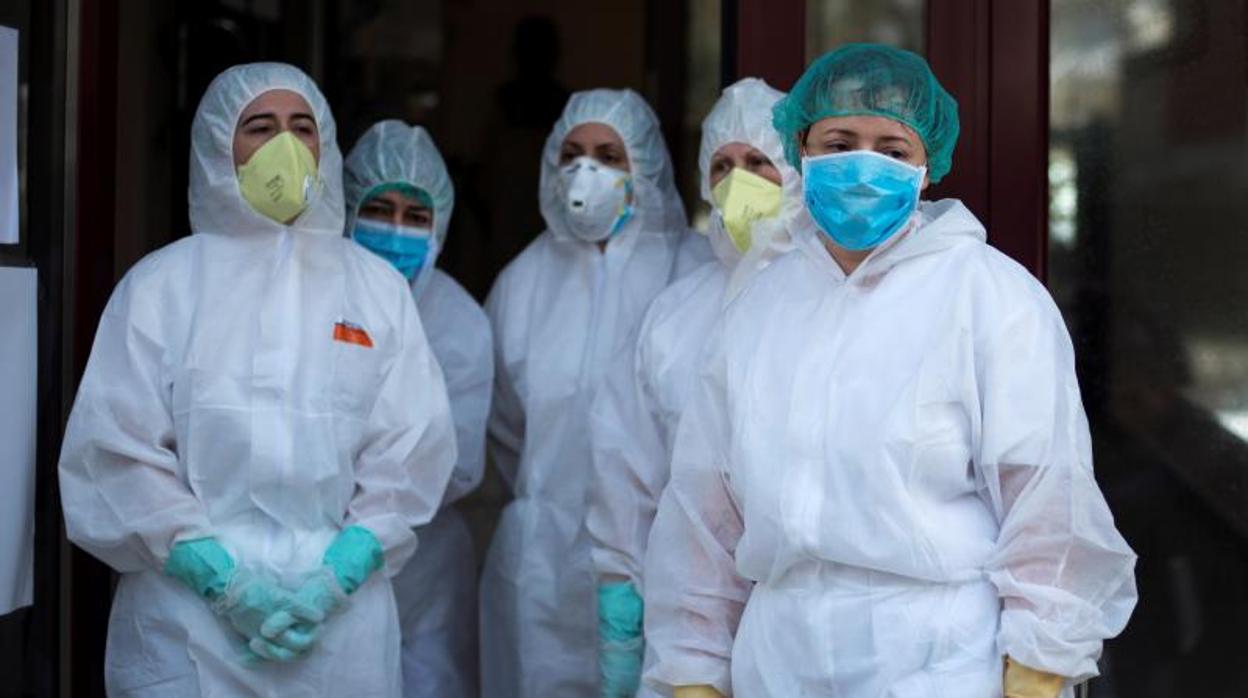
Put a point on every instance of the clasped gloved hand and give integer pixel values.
(1025, 682)
(277, 625)
(621, 646)
(351, 558)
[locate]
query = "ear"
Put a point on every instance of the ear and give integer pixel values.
(927, 180)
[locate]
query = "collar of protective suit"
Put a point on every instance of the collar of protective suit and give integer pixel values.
(216, 204)
(933, 227)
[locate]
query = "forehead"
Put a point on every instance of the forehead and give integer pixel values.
(735, 149)
(280, 102)
(593, 133)
(873, 127)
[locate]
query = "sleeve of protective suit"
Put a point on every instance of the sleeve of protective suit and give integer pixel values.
(630, 470)
(505, 432)
(694, 596)
(409, 452)
(125, 501)
(469, 383)
(1065, 575)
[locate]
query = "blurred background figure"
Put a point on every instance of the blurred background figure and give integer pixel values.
(399, 201)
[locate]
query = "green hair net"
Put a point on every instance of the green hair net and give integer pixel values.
(403, 188)
(872, 80)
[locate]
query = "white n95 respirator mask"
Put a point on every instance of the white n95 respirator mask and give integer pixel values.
(597, 200)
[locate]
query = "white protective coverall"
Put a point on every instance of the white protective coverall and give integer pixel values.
(560, 310)
(886, 478)
(218, 403)
(437, 589)
(634, 417)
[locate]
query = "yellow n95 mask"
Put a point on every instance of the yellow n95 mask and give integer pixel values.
(279, 179)
(743, 197)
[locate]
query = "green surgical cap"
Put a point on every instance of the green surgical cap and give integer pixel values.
(872, 80)
(403, 188)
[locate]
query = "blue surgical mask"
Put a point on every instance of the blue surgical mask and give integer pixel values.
(860, 198)
(408, 249)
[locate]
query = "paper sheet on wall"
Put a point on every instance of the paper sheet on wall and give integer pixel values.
(8, 136)
(18, 374)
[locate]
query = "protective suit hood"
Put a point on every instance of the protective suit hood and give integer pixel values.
(659, 211)
(215, 202)
(743, 115)
(389, 152)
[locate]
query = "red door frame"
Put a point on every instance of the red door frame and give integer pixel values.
(994, 59)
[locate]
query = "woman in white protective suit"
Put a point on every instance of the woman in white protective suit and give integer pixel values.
(246, 447)
(882, 484)
(399, 203)
(633, 421)
(559, 311)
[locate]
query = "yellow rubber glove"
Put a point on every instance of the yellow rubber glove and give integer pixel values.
(700, 691)
(1025, 682)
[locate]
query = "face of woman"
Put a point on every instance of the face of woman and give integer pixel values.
(749, 158)
(269, 114)
(597, 141)
(842, 134)
(397, 208)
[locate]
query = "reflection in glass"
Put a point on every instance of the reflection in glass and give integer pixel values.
(701, 91)
(830, 23)
(1148, 215)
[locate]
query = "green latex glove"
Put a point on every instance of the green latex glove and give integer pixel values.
(621, 647)
(276, 623)
(354, 554)
(202, 565)
(322, 591)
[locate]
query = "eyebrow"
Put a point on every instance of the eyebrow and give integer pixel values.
(261, 115)
(896, 138)
(271, 115)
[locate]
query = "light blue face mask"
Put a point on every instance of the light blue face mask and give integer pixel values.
(408, 249)
(860, 198)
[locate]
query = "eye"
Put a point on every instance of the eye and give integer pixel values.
(258, 129)
(838, 147)
(569, 152)
(895, 153)
(374, 208)
(419, 218)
